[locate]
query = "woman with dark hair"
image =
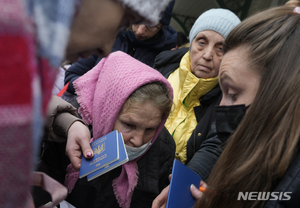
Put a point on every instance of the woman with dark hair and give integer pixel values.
(261, 67)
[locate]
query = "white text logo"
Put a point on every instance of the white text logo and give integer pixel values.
(254, 195)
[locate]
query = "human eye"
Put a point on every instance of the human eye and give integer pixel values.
(201, 42)
(149, 28)
(152, 29)
(150, 129)
(219, 49)
(232, 95)
(128, 125)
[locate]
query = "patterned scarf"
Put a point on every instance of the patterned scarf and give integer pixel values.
(101, 94)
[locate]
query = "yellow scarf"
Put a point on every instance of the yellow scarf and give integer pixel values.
(187, 89)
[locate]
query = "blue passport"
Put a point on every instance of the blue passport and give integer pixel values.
(123, 158)
(106, 151)
(181, 181)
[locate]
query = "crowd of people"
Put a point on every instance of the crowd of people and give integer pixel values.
(227, 104)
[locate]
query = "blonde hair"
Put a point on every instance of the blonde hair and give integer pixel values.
(155, 92)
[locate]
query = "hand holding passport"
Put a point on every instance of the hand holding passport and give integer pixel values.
(109, 153)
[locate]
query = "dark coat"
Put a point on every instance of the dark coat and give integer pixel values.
(167, 62)
(144, 51)
(207, 155)
(205, 115)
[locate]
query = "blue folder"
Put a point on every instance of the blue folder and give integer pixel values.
(179, 193)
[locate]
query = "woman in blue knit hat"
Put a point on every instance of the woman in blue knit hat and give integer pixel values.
(193, 75)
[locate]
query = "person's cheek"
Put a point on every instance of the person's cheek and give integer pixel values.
(126, 137)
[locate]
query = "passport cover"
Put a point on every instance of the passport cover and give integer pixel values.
(106, 151)
(123, 158)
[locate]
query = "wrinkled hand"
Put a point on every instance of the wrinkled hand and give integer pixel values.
(78, 141)
(195, 192)
(161, 200)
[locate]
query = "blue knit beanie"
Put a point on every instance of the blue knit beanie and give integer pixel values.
(221, 21)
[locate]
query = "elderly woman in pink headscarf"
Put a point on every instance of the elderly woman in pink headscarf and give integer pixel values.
(123, 94)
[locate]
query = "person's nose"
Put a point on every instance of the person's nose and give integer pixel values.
(137, 138)
(225, 101)
(208, 53)
(141, 29)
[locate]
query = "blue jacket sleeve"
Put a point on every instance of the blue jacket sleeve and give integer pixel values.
(78, 69)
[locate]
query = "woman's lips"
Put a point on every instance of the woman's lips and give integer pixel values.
(203, 67)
